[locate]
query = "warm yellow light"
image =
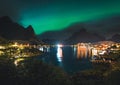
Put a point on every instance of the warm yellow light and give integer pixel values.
(2, 47)
(17, 61)
(1, 52)
(15, 44)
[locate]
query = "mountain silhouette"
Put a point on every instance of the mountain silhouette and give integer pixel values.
(83, 36)
(115, 38)
(13, 31)
(106, 26)
(61, 34)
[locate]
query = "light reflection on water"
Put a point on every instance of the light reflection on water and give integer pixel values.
(79, 52)
(71, 59)
(59, 54)
(83, 52)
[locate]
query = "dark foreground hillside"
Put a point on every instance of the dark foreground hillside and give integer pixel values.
(31, 71)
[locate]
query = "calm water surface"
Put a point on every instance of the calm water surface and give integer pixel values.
(70, 59)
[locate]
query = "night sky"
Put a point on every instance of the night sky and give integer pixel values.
(48, 15)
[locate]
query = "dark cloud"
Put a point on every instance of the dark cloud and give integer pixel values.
(106, 26)
(13, 8)
(10, 8)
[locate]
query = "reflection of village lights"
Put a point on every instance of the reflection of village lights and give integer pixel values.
(82, 51)
(59, 54)
(74, 49)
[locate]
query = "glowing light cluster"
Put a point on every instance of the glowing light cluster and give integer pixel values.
(59, 45)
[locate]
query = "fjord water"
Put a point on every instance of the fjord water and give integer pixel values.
(70, 59)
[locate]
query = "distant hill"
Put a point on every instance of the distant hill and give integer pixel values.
(13, 31)
(83, 36)
(107, 26)
(73, 34)
(2, 40)
(60, 35)
(115, 38)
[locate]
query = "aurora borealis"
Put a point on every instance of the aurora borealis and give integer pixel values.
(48, 15)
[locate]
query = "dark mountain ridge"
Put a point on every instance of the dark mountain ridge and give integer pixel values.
(107, 27)
(115, 38)
(13, 31)
(84, 36)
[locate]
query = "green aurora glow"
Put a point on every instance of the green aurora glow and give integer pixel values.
(58, 16)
